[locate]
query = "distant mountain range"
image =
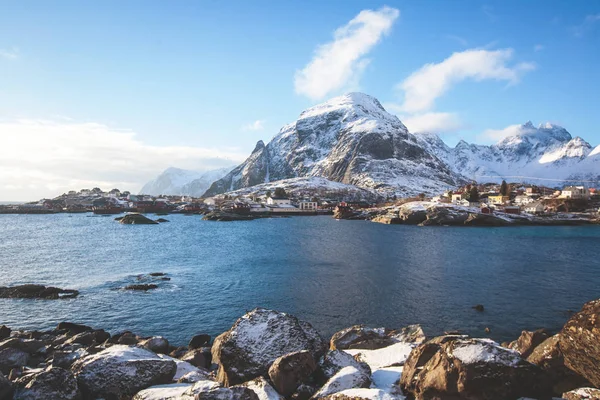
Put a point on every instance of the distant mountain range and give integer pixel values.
(352, 140)
(176, 181)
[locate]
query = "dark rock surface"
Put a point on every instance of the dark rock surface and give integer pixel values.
(137, 219)
(36, 292)
(291, 370)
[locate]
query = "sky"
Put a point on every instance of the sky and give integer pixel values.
(110, 93)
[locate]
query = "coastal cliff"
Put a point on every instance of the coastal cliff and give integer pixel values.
(270, 355)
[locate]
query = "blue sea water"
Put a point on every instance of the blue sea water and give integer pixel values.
(331, 273)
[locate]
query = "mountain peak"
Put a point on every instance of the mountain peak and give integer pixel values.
(348, 102)
(259, 146)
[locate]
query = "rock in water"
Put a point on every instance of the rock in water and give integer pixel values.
(4, 332)
(51, 383)
(199, 341)
(36, 292)
(580, 342)
(137, 219)
(291, 370)
(142, 286)
(459, 368)
(72, 327)
(121, 371)
(257, 339)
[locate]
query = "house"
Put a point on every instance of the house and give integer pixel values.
(523, 200)
(534, 208)
(278, 201)
(512, 209)
(574, 192)
(530, 190)
(467, 203)
(458, 196)
(498, 199)
(486, 210)
(307, 205)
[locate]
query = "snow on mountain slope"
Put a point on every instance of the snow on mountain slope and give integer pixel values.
(176, 181)
(349, 139)
(546, 155)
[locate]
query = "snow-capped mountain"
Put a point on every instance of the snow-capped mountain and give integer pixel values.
(350, 139)
(176, 181)
(546, 155)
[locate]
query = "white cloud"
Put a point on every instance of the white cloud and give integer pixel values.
(341, 62)
(433, 122)
(9, 54)
(499, 134)
(538, 47)
(257, 125)
(431, 81)
(587, 24)
(45, 158)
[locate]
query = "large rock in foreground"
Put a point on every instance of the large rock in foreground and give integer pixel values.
(121, 371)
(460, 368)
(585, 393)
(580, 342)
(51, 383)
(257, 339)
(36, 292)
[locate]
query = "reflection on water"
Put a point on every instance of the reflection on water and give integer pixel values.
(331, 273)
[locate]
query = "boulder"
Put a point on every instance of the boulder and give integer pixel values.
(528, 341)
(72, 328)
(454, 367)
(157, 344)
(585, 393)
(137, 219)
(36, 292)
(361, 337)
(128, 338)
(549, 357)
(89, 338)
(184, 368)
(51, 383)
(65, 359)
(4, 332)
(291, 370)
(195, 376)
(257, 339)
(12, 358)
(210, 390)
(201, 357)
(121, 371)
(6, 388)
(173, 391)
(334, 360)
(304, 392)
(263, 389)
(162, 220)
(364, 394)
(346, 378)
(580, 342)
(199, 341)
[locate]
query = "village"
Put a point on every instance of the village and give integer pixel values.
(490, 198)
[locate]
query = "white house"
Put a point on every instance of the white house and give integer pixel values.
(278, 201)
(534, 208)
(575, 192)
(457, 197)
(307, 205)
(523, 200)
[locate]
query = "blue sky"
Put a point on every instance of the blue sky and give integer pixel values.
(180, 80)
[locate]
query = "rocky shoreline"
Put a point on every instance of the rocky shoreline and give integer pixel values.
(424, 213)
(269, 355)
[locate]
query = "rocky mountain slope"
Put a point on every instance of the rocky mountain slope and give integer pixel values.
(350, 139)
(546, 155)
(176, 181)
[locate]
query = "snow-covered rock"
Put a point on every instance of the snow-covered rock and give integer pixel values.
(257, 339)
(209, 390)
(263, 389)
(335, 360)
(121, 370)
(164, 392)
(176, 181)
(346, 378)
(183, 368)
(51, 383)
(394, 355)
(463, 368)
(365, 394)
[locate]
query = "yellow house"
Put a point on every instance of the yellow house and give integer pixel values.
(498, 199)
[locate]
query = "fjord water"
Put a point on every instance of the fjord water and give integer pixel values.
(328, 272)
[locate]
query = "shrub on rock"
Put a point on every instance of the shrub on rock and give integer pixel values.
(121, 371)
(257, 339)
(461, 368)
